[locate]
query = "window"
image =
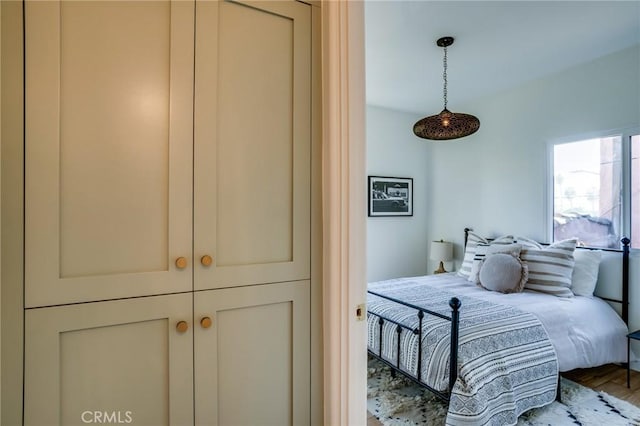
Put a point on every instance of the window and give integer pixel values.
(635, 191)
(592, 198)
(586, 191)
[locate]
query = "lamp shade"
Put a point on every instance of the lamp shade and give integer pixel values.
(441, 250)
(446, 125)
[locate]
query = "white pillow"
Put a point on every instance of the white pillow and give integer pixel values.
(585, 272)
(484, 250)
(505, 239)
(528, 243)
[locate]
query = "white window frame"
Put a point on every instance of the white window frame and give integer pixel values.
(625, 134)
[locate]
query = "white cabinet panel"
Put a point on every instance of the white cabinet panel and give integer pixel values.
(108, 149)
(120, 358)
(114, 137)
(252, 364)
(255, 138)
(252, 142)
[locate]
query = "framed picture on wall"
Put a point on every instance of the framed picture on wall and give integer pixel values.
(390, 196)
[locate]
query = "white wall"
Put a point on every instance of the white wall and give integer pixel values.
(397, 246)
(496, 180)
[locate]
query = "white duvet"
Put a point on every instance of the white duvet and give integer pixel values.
(585, 332)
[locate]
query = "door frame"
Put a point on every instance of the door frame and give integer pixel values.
(344, 212)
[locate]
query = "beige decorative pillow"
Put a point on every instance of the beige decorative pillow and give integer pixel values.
(473, 240)
(484, 250)
(502, 272)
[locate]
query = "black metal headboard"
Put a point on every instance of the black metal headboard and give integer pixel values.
(625, 272)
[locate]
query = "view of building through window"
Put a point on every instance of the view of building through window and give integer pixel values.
(587, 179)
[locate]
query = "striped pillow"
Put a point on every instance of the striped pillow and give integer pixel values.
(473, 240)
(550, 268)
(528, 243)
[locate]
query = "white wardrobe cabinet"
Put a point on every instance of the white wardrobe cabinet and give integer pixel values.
(244, 351)
(129, 187)
(168, 156)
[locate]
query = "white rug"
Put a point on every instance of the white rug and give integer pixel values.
(398, 401)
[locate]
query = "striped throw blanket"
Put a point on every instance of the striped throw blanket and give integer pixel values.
(506, 363)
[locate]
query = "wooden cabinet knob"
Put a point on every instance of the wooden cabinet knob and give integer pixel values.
(182, 326)
(206, 260)
(206, 322)
(181, 262)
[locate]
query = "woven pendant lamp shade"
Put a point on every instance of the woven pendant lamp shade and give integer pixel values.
(447, 124)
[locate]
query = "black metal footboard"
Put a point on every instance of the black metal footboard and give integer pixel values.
(455, 304)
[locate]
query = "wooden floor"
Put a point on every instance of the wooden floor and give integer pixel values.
(610, 378)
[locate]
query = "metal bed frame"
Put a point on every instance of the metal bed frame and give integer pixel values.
(455, 305)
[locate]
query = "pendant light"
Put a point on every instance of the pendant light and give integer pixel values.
(447, 124)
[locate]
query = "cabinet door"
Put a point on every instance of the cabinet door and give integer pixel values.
(252, 363)
(122, 361)
(109, 143)
(252, 142)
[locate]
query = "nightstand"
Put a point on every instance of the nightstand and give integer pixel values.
(635, 336)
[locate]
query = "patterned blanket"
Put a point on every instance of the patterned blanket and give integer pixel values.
(506, 363)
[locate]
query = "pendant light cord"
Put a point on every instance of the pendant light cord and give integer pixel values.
(444, 76)
(446, 125)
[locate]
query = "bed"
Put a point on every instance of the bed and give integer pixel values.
(493, 356)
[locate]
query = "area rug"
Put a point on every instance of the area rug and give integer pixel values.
(398, 401)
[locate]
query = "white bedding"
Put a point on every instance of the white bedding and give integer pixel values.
(585, 332)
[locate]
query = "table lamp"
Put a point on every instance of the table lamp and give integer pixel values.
(441, 251)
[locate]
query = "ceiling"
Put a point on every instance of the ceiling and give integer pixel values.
(498, 45)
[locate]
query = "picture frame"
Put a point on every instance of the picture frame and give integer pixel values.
(390, 196)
